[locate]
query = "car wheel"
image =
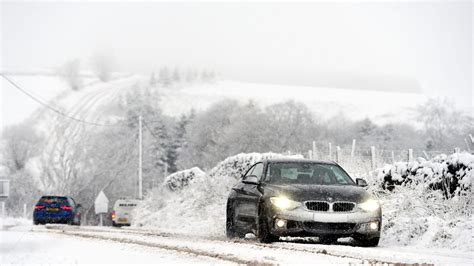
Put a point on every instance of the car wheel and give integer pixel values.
(263, 230)
(230, 230)
(327, 240)
(35, 222)
(368, 242)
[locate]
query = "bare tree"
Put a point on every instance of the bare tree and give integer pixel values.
(444, 125)
(103, 65)
(70, 72)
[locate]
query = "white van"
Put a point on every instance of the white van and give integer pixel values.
(122, 211)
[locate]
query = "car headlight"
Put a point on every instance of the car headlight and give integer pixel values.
(369, 205)
(283, 203)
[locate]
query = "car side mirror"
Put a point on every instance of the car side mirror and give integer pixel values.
(78, 206)
(361, 182)
(251, 179)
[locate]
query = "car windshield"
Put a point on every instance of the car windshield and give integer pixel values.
(307, 173)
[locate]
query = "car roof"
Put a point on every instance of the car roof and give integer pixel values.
(293, 160)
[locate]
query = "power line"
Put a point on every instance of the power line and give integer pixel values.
(52, 108)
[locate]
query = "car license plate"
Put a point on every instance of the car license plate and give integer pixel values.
(122, 220)
(52, 209)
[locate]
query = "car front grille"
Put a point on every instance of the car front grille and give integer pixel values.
(321, 206)
(324, 206)
(336, 227)
(343, 206)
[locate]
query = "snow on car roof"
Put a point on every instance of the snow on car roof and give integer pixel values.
(293, 160)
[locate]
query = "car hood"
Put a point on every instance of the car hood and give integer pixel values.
(299, 192)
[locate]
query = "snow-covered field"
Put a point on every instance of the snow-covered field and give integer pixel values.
(381, 106)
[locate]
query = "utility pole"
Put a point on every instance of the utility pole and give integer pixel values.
(140, 155)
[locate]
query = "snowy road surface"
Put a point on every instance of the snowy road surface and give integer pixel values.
(80, 245)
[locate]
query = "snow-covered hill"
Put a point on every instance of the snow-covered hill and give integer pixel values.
(380, 106)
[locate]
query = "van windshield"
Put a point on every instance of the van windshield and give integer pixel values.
(307, 173)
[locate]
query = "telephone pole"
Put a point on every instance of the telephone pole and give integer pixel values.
(140, 155)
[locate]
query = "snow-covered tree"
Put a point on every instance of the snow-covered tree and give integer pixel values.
(70, 72)
(165, 77)
(153, 79)
(103, 66)
(444, 125)
(176, 76)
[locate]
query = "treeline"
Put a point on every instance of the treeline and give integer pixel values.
(168, 76)
(107, 157)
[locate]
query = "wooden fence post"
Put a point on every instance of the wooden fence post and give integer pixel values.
(353, 150)
(338, 154)
(315, 155)
(410, 155)
(372, 157)
(426, 155)
(330, 151)
(310, 154)
(393, 157)
(468, 147)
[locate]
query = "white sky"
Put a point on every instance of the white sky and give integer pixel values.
(401, 46)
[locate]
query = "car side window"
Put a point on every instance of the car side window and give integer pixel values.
(249, 172)
(71, 202)
(258, 170)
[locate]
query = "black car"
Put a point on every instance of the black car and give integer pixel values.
(302, 198)
(57, 209)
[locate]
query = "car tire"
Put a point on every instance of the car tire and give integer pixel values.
(263, 229)
(114, 224)
(368, 242)
(230, 230)
(35, 222)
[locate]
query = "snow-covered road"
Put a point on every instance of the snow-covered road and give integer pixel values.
(72, 245)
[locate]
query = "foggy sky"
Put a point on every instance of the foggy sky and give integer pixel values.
(424, 46)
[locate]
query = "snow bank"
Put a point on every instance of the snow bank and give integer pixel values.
(192, 201)
(427, 203)
(181, 179)
(9, 222)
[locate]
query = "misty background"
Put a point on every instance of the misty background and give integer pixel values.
(412, 47)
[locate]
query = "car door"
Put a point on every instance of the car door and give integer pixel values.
(247, 198)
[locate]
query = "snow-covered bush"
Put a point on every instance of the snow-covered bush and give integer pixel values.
(193, 202)
(181, 179)
(417, 208)
(236, 166)
(451, 174)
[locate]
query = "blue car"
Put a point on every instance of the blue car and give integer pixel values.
(57, 209)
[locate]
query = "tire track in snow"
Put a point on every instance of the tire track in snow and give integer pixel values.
(266, 254)
(354, 252)
(188, 250)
